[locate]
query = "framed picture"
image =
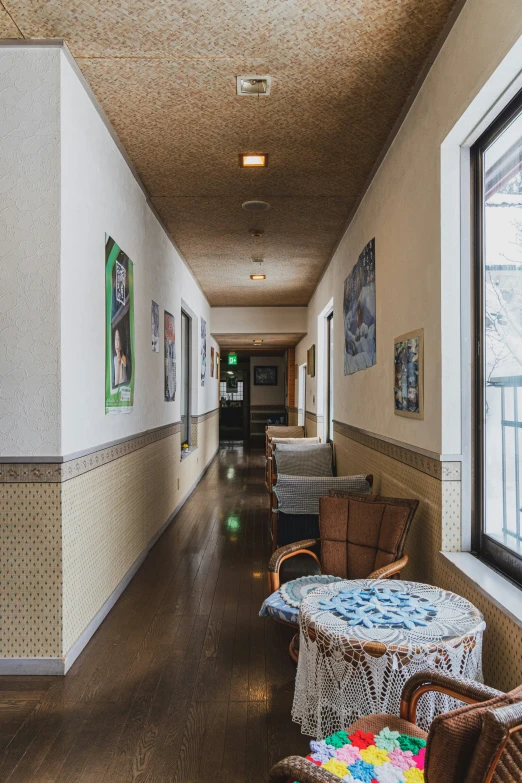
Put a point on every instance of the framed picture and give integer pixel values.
(231, 383)
(310, 361)
(408, 356)
(265, 376)
(211, 361)
(359, 313)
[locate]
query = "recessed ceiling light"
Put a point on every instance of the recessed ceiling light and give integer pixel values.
(253, 85)
(257, 277)
(256, 232)
(255, 206)
(257, 342)
(253, 160)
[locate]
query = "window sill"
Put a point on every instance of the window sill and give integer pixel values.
(188, 452)
(495, 587)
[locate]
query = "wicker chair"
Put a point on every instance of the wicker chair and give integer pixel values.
(279, 431)
(478, 743)
(272, 444)
(361, 536)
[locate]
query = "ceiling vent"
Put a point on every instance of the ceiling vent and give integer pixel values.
(257, 260)
(255, 206)
(252, 85)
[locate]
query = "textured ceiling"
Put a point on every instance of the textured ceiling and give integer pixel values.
(164, 72)
(272, 340)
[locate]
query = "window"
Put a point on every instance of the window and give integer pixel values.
(498, 302)
(329, 379)
(185, 377)
(231, 392)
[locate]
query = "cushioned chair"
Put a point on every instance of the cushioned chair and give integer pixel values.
(279, 431)
(295, 503)
(361, 536)
(273, 444)
(478, 743)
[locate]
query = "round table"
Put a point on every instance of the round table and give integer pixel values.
(361, 640)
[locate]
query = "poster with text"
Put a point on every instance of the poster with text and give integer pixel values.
(170, 358)
(203, 351)
(119, 329)
(154, 319)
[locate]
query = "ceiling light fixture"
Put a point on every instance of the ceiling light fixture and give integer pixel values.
(257, 277)
(257, 342)
(253, 85)
(256, 232)
(255, 206)
(257, 260)
(253, 160)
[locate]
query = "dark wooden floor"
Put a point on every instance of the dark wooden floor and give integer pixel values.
(183, 681)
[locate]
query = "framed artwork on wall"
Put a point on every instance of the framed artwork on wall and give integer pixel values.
(170, 356)
(310, 361)
(203, 351)
(154, 317)
(211, 361)
(408, 356)
(359, 309)
(265, 375)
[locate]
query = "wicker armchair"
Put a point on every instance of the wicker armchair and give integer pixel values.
(478, 743)
(361, 536)
(296, 499)
(279, 431)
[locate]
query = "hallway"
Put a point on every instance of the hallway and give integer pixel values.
(183, 681)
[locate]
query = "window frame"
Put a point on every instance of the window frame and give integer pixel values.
(488, 549)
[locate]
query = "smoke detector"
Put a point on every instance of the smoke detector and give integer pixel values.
(255, 206)
(256, 232)
(253, 85)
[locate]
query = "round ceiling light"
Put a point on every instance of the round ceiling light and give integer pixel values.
(256, 206)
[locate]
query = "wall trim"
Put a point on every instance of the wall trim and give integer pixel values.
(65, 468)
(200, 417)
(60, 666)
(317, 417)
(428, 462)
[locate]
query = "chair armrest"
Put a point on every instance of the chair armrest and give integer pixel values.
(459, 688)
(391, 569)
(283, 553)
(296, 768)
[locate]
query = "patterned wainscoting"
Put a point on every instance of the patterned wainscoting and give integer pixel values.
(400, 471)
(313, 424)
(70, 532)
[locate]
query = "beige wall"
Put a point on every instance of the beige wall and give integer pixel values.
(72, 531)
(418, 287)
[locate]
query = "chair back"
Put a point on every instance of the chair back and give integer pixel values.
(304, 460)
(362, 533)
(478, 743)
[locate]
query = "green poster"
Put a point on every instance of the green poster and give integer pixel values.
(119, 329)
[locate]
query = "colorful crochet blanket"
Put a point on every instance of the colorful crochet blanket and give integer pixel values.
(386, 757)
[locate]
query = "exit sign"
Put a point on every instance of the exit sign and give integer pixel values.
(232, 358)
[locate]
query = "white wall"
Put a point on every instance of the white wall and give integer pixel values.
(402, 210)
(100, 195)
(29, 252)
(238, 320)
(268, 395)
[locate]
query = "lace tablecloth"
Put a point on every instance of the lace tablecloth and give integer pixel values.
(361, 640)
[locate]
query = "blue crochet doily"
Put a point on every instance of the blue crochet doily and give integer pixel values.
(380, 606)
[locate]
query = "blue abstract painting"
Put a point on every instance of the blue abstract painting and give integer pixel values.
(359, 313)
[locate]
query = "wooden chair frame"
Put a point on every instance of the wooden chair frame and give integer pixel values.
(498, 726)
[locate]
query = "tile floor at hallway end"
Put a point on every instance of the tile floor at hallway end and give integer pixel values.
(183, 682)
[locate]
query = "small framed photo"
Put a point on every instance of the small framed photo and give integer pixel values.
(310, 361)
(408, 356)
(265, 375)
